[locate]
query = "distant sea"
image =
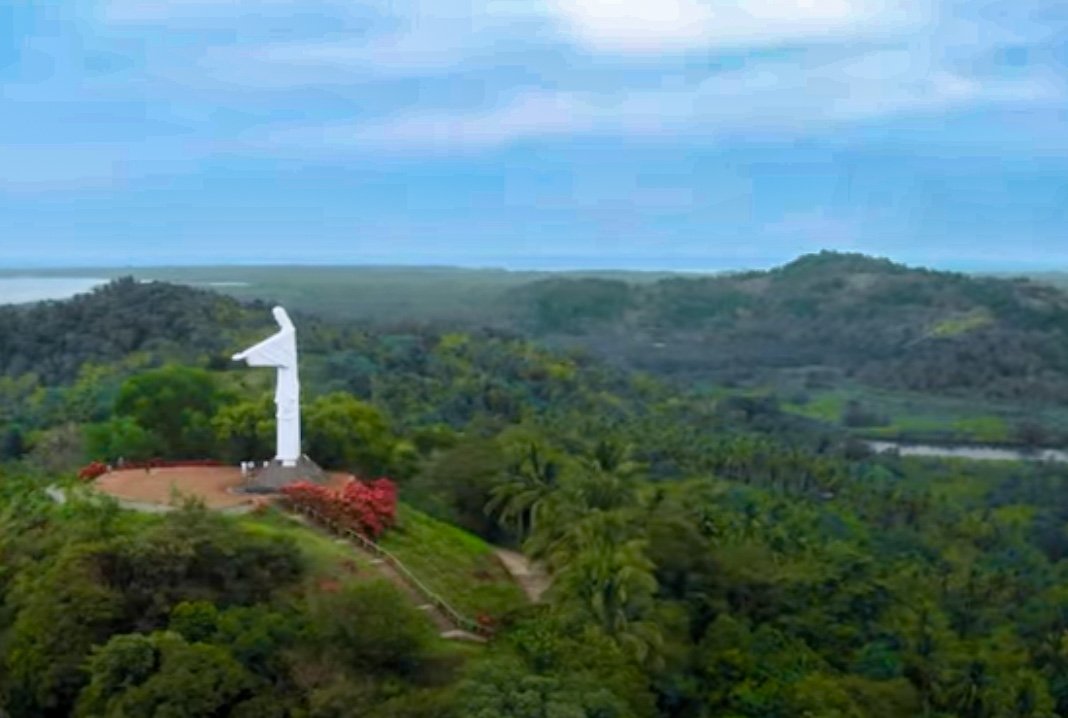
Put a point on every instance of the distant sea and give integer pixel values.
(21, 290)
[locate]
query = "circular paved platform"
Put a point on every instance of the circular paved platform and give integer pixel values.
(216, 486)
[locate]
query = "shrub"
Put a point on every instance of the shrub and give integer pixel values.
(93, 471)
(369, 508)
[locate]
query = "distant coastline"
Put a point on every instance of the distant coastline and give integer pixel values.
(29, 288)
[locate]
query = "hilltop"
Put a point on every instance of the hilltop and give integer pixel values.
(829, 317)
(54, 339)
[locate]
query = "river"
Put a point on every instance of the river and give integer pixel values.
(974, 453)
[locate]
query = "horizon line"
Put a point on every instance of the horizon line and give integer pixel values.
(534, 264)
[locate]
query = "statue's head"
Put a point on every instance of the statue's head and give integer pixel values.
(283, 319)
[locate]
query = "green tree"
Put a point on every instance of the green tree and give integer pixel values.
(343, 432)
(58, 618)
(528, 489)
(603, 572)
(163, 676)
(370, 627)
(12, 444)
(460, 480)
(121, 437)
(59, 449)
(176, 404)
(246, 430)
(506, 689)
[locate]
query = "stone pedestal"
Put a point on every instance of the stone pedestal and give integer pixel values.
(271, 478)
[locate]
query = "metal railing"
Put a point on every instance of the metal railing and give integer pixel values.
(458, 619)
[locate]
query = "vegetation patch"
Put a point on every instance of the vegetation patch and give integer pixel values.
(458, 566)
(959, 325)
(326, 557)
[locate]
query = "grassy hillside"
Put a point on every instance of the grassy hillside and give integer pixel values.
(458, 566)
(455, 564)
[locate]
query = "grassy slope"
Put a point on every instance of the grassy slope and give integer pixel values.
(327, 558)
(330, 560)
(460, 567)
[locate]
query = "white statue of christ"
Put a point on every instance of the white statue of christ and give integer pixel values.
(280, 351)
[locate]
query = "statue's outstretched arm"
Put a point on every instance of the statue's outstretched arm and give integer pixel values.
(278, 350)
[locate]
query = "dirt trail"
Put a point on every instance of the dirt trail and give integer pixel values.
(530, 576)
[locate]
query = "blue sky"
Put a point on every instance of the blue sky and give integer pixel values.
(695, 134)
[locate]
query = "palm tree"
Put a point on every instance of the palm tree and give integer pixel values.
(966, 693)
(522, 500)
(613, 457)
(610, 580)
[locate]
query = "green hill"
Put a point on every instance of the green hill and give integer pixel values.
(710, 555)
(828, 318)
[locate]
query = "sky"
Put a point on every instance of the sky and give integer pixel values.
(681, 134)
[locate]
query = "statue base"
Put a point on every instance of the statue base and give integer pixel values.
(271, 478)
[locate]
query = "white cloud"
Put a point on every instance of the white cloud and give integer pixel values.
(527, 116)
(769, 100)
(635, 24)
(654, 26)
(813, 91)
(395, 54)
(429, 35)
(890, 82)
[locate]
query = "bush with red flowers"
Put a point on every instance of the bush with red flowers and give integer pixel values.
(369, 508)
(93, 471)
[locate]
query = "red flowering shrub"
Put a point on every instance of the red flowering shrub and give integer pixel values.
(93, 471)
(369, 508)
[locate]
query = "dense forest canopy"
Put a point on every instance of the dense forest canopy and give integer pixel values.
(856, 343)
(862, 318)
(54, 340)
(832, 317)
(711, 556)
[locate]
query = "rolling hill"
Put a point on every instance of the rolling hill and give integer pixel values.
(827, 318)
